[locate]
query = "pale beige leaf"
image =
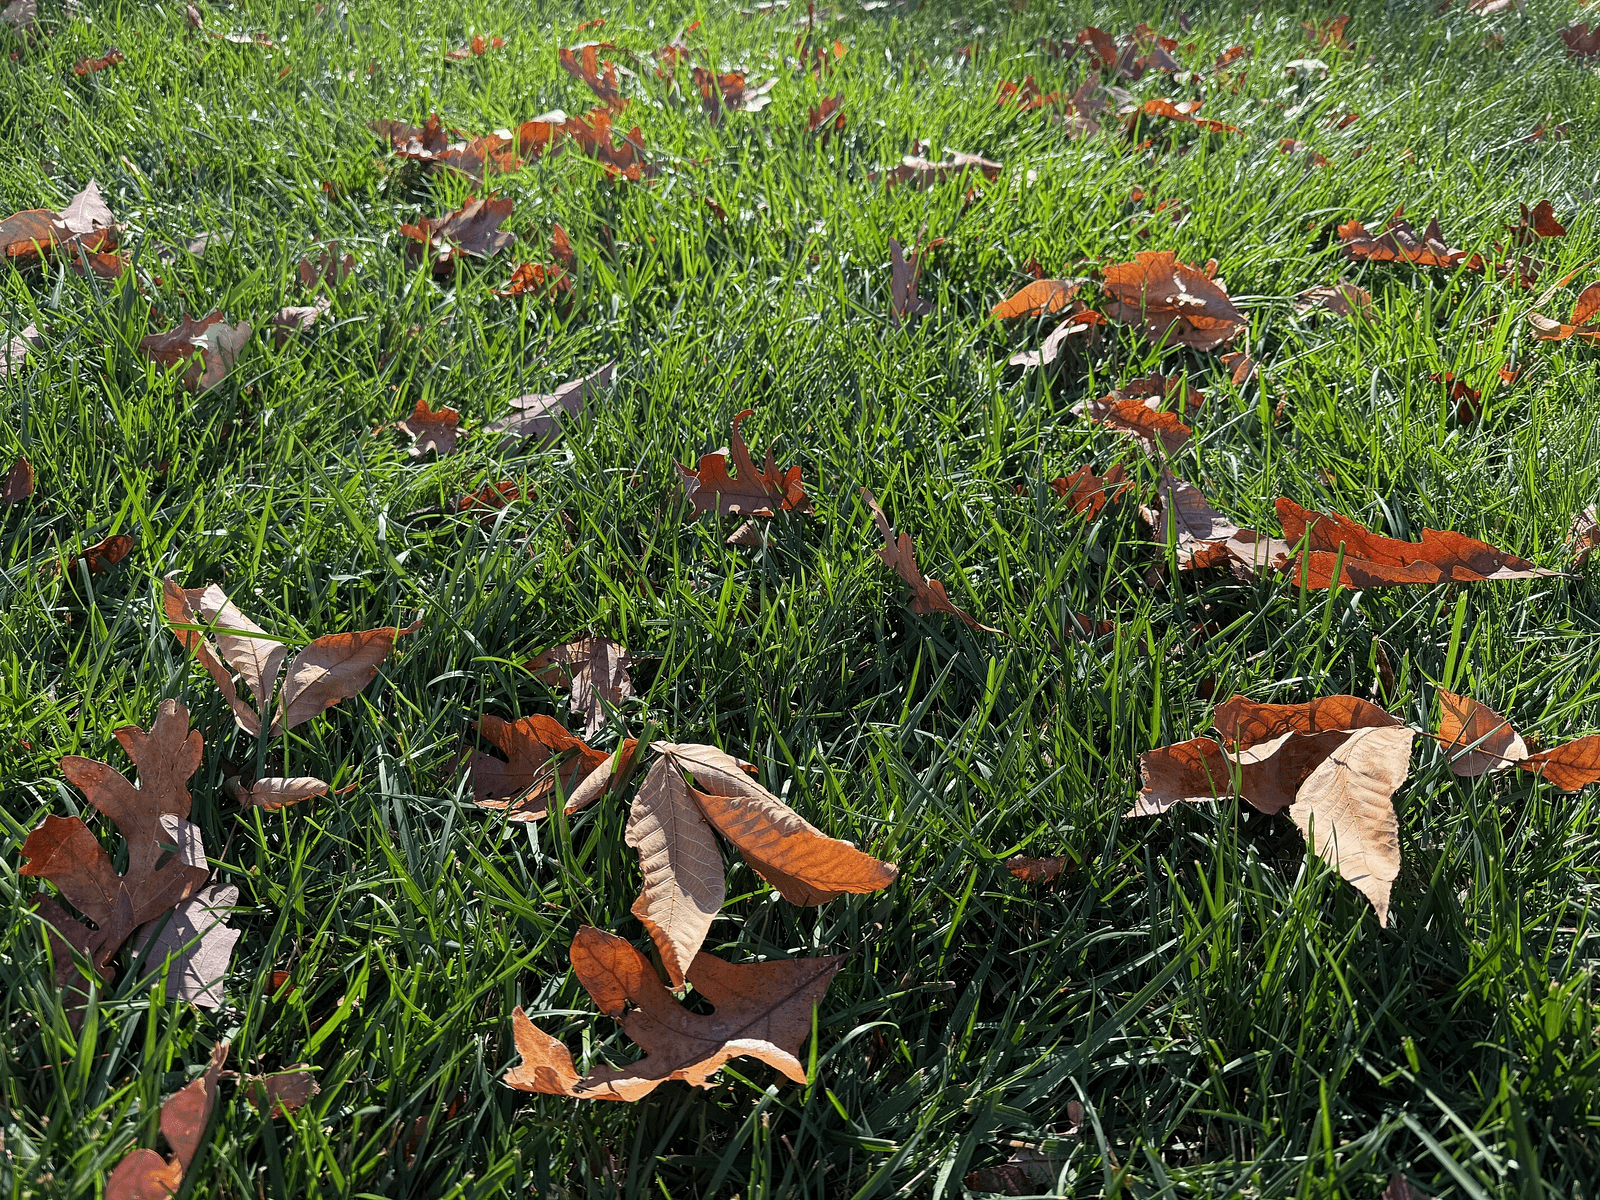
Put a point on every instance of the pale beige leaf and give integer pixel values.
(246, 646)
(273, 794)
(1346, 805)
(683, 877)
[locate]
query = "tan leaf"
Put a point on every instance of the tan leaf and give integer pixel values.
(682, 866)
(1585, 323)
(333, 668)
(612, 774)
(19, 483)
(752, 493)
(1266, 776)
(282, 1092)
(144, 1174)
(273, 794)
(193, 944)
(1583, 535)
(1083, 321)
(597, 670)
(1569, 766)
(920, 173)
(546, 1064)
(537, 749)
(542, 416)
(1477, 739)
(182, 608)
(900, 555)
(762, 1010)
(1241, 722)
(1346, 810)
(431, 429)
(294, 319)
(1342, 299)
(15, 352)
(804, 864)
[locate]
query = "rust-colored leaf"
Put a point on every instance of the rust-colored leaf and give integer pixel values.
(826, 117)
(1172, 302)
(1585, 323)
(1242, 723)
(19, 483)
(752, 493)
(1569, 766)
(1345, 810)
(1536, 224)
(1183, 111)
(622, 161)
(1401, 243)
(1135, 416)
(585, 64)
(730, 93)
(144, 1174)
(103, 555)
(1477, 739)
(27, 236)
(1037, 870)
(333, 668)
(1087, 493)
(537, 280)
(541, 416)
(1582, 42)
(166, 861)
(472, 230)
(538, 751)
(1267, 776)
(596, 669)
(900, 555)
(1041, 298)
(281, 1092)
(88, 66)
(437, 430)
(476, 48)
(209, 346)
(1328, 32)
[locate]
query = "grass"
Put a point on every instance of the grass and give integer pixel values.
(1223, 1008)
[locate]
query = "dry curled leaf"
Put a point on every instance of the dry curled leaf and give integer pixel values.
(209, 347)
(1267, 776)
(826, 117)
(273, 794)
(437, 430)
(752, 493)
(1476, 739)
(14, 353)
(900, 555)
(681, 863)
(1041, 298)
(144, 1174)
(596, 669)
(1345, 810)
(1172, 302)
(585, 64)
(472, 230)
(1135, 416)
(1037, 870)
(730, 93)
(1241, 722)
(1087, 493)
(1536, 224)
(1585, 323)
(920, 173)
(1583, 535)
(166, 860)
(1401, 243)
(541, 416)
(622, 161)
(193, 945)
(293, 319)
(88, 66)
(538, 752)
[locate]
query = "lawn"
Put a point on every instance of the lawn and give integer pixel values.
(1197, 1006)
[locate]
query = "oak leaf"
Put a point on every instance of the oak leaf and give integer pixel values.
(1203, 537)
(900, 555)
(437, 430)
(1477, 739)
(544, 283)
(472, 230)
(1174, 303)
(333, 668)
(538, 751)
(144, 1174)
(1400, 243)
(752, 493)
(1582, 42)
(1183, 111)
(209, 347)
(903, 299)
(585, 64)
(1345, 810)
(19, 483)
(622, 161)
(293, 319)
(1041, 298)
(88, 66)
(153, 819)
(1088, 493)
(1536, 224)
(542, 416)
(194, 945)
(1585, 323)
(1134, 415)
(596, 669)
(729, 93)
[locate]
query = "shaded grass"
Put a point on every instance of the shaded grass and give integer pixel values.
(1229, 1016)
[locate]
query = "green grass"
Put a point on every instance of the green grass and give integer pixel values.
(1224, 1008)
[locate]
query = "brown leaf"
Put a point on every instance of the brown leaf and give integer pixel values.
(827, 117)
(1151, 425)
(624, 161)
(194, 946)
(88, 66)
(28, 236)
(596, 668)
(541, 416)
(1583, 535)
(1037, 870)
(681, 863)
(719, 93)
(1040, 298)
(1267, 776)
(1372, 560)
(762, 1010)
(152, 818)
(1400, 1189)
(21, 15)
(920, 173)
(333, 668)
(1342, 299)
(19, 483)
(14, 352)
(610, 776)
(1241, 722)
(1400, 243)
(544, 283)
(1582, 42)
(752, 492)
(546, 1065)
(246, 647)
(473, 229)
(1477, 739)
(1569, 766)
(1329, 32)
(144, 1174)
(900, 555)
(903, 299)
(293, 319)
(804, 864)
(1088, 493)
(1537, 223)
(431, 429)
(330, 267)
(1183, 111)
(1585, 322)
(1241, 367)
(584, 63)
(103, 555)
(209, 346)
(1346, 810)
(273, 794)
(1174, 303)
(537, 750)
(282, 1092)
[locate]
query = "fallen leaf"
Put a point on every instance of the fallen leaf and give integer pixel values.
(1583, 535)
(144, 1174)
(1585, 322)
(331, 267)
(1133, 415)
(473, 230)
(584, 63)
(476, 48)
(827, 116)
(1241, 367)
(1026, 95)
(209, 347)
(1183, 111)
(1087, 493)
(153, 819)
(1025, 1173)
(681, 864)
(1477, 739)
(103, 555)
(431, 429)
(920, 173)
(1372, 560)
(752, 493)
(29, 236)
(903, 299)
(541, 416)
(1037, 870)
(596, 669)
(1242, 723)
(1400, 243)
(1174, 303)
(1328, 32)
(333, 668)
(19, 483)
(1267, 776)
(15, 352)
(88, 66)
(87, 214)
(544, 283)
(295, 319)
(1202, 537)
(1582, 42)
(900, 555)
(273, 794)
(1083, 321)
(1345, 810)
(281, 1092)
(1400, 1189)
(1342, 299)
(1041, 298)
(621, 161)
(1569, 766)
(21, 15)
(1537, 223)
(729, 93)
(194, 946)
(538, 751)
